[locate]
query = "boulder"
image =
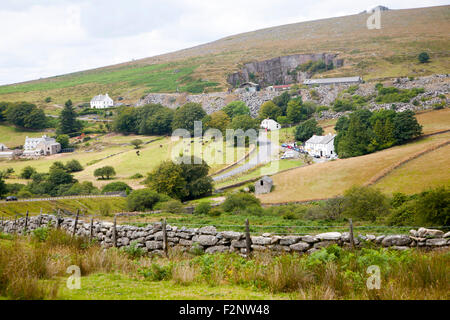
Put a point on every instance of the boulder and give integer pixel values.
(396, 240)
(238, 244)
(329, 236)
(154, 245)
(258, 247)
(324, 244)
(300, 246)
(447, 235)
(423, 232)
(261, 240)
(438, 242)
(206, 240)
(310, 239)
(289, 240)
(208, 230)
(232, 235)
(399, 248)
(216, 249)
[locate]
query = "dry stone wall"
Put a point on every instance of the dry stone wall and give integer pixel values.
(209, 240)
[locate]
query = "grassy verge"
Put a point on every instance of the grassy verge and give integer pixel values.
(32, 268)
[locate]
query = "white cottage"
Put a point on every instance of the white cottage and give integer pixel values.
(102, 102)
(270, 124)
(322, 146)
(41, 146)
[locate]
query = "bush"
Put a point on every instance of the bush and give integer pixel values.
(157, 272)
(423, 57)
(137, 176)
(73, 166)
(172, 206)
(144, 199)
(41, 234)
(365, 203)
(203, 208)
(27, 172)
(239, 201)
(118, 186)
(433, 207)
(133, 250)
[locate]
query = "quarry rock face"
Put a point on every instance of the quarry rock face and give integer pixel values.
(208, 240)
(280, 70)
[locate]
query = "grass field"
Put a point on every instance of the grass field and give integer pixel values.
(434, 121)
(329, 179)
(389, 52)
(87, 206)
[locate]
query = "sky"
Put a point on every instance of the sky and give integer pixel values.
(43, 38)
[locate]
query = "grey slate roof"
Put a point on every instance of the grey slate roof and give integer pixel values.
(321, 139)
(267, 179)
(100, 97)
(332, 80)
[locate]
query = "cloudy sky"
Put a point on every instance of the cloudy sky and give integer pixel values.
(42, 38)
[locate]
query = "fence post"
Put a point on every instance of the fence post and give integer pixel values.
(26, 224)
(352, 241)
(57, 220)
(91, 230)
(248, 240)
(164, 231)
(75, 223)
(114, 232)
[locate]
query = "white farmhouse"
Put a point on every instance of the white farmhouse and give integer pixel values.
(270, 124)
(102, 102)
(322, 146)
(40, 146)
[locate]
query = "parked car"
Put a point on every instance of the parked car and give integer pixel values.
(11, 198)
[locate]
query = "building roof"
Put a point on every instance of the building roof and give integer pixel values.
(100, 97)
(332, 80)
(282, 86)
(249, 83)
(267, 179)
(269, 120)
(321, 139)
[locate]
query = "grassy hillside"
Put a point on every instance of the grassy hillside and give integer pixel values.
(389, 52)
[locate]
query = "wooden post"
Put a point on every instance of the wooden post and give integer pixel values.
(248, 240)
(91, 230)
(165, 242)
(352, 241)
(26, 224)
(75, 224)
(57, 220)
(114, 232)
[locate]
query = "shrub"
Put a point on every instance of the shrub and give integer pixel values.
(157, 272)
(133, 250)
(215, 213)
(117, 186)
(137, 143)
(423, 57)
(137, 176)
(433, 207)
(144, 199)
(41, 234)
(27, 172)
(240, 201)
(203, 208)
(73, 166)
(365, 203)
(172, 206)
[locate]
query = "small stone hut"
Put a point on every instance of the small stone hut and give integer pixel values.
(263, 185)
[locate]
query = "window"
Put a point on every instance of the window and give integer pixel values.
(262, 182)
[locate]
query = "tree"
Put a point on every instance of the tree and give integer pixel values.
(117, 186)
(240, 201)
(168, 179)
(68, 122)
(282, 101)
(35, 120)
(143, 199)
(158, 122)
(73, 166)
(217, 120)
(25, 115)
(433, 207)
(3, 187)
(244, 122)
(58, 177)
(27, 172)
(195, 174)
(105, 173)
(137, 143)
(406, 127)
(365, 203)
(63, 139)
(423, 57)
(126, 121)
(203, 208)
(307, 129)
(58, 165)
(186, 115)
(269, 110)
(236, 108)
(294, 111)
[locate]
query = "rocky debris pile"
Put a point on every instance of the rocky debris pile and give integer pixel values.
(209, 240)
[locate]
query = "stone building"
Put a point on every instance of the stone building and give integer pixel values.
(263, 185)
(43, 146)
